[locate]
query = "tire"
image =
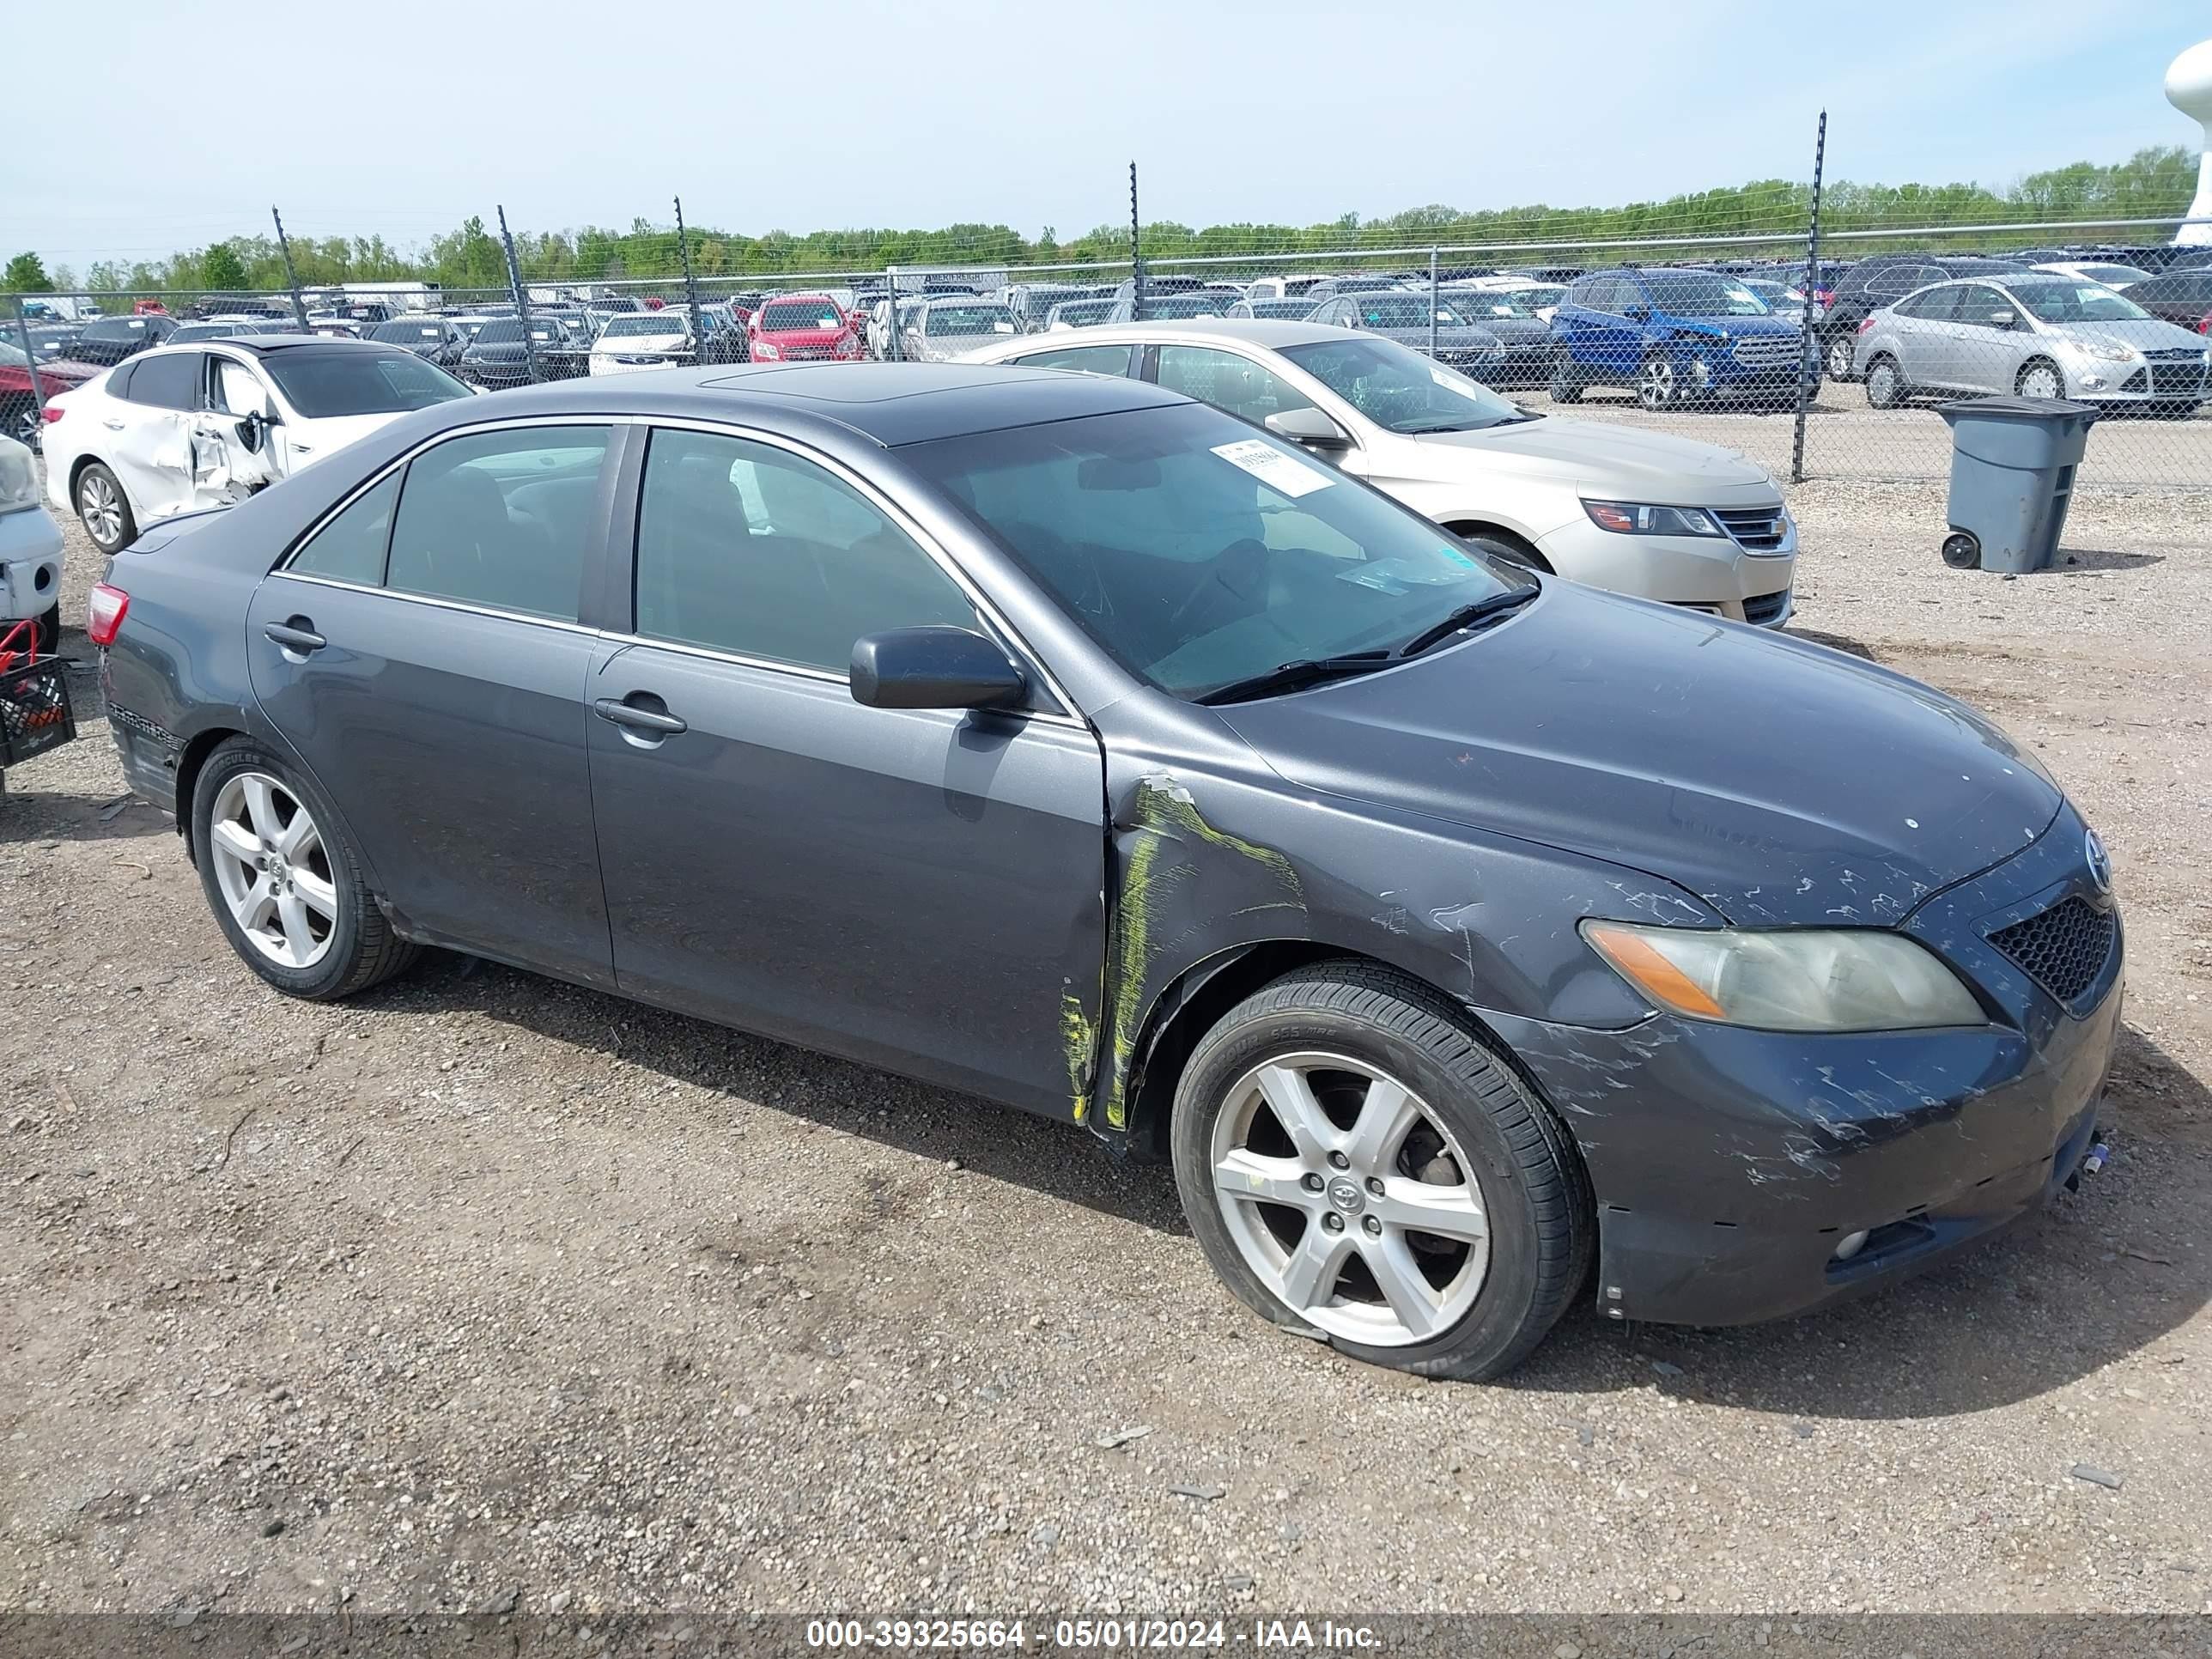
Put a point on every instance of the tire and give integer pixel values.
(2042, 373)
(103, 509)
(1566, 385)
(1325, 1038)
(354, 946)
(1505, 544)
(19, 419)
(1839, 356)
(1658, 385)
(1961, 551)
(1886, 386)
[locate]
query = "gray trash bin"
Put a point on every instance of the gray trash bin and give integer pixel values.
(2012, 476)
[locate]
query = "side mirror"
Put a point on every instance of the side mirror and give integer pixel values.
(1310, 427)
(2001, 320)
(934, 667)
(1637, 313)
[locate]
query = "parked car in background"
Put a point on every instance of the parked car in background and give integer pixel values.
(1525, 336)
(30, 552)
(228, 329)
(2182, 297)
(2096, 270)
(22, 413)
(108, 340)
(1406, 319)
(440, 340)
(1779, 297)
(1278, 311)
(799, 328)
(1864, 288)
(1032, 303)
(50, 342)
(1286, 285)
(1327, 287)
(1080, 313)
(502, 350)
(642, 340)
(181, 427)
(1673, 336)
(1645, 513)
(2033, 335)
(1166, 307)
(938, 331)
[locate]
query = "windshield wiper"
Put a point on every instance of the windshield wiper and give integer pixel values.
(1466, 617)
(1291, 676)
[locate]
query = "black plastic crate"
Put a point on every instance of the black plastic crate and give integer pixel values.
(34, 709)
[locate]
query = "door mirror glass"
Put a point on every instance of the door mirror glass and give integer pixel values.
(252, 431)
(1310, 427)
(934, 667)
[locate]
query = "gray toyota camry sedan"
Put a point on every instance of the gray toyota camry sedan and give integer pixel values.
(1474, 943)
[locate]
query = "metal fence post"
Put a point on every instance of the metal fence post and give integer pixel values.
(1136, 258)
(522, 299)
(1433, 305)
(1809, 367)
(37, 420)
(691, 289)
(291, 272)
(892, 342)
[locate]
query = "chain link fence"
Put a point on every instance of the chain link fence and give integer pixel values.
(1831, 369)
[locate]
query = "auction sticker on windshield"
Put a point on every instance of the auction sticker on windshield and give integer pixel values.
(1274, 469)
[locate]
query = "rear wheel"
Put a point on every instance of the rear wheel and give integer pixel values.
(1843, 356)
(1566, 385)
(2041, 379)
(1357, 1162)
(1656, 384)
(1885, 383)
(19, 419)
(104, 509)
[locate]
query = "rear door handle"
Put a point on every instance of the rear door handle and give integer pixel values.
(654, 720)
(292, 638)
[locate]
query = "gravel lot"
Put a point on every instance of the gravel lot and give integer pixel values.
(484, 1287)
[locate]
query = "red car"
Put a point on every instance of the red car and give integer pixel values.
(19, 414)
(802, 328)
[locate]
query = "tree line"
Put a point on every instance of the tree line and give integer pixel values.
(2151, 184)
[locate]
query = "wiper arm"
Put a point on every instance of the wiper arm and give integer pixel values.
(1291, 676)
(1466, 617)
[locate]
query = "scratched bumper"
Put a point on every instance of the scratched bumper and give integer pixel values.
(1727, 1163)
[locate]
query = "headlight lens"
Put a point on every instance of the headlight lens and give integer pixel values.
(19, 479)
(1826, 979)
(762, 348)
(2108, 352)
(1633, 518)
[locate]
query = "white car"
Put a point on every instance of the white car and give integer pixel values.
(30, 549)
(1617, 506)
(182, 427)
(2106, 272)
(642, 339)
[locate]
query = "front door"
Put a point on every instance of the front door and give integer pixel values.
(421, 652)
(917, 888)
(233, 454)
(148, 440)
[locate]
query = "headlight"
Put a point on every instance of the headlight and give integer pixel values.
(19, 479)
(1840, 980)
(2108, 352)
(763, 350)
(1629, 519)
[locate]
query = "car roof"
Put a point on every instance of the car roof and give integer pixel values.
(1208, 330)
(891, 404)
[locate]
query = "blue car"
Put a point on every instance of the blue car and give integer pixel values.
(1673, 336)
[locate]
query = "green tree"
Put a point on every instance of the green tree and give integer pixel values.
(222, 270)
(26, 274)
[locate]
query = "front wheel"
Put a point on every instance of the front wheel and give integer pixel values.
(1656, 384)
(2041, 379)
(1885, 383)
(1566, 385)
(1842, 357)
(284, 881)
(104, 509)
(1357, 1162)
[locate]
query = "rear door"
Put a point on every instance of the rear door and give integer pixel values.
(425, 650)
(917, 888)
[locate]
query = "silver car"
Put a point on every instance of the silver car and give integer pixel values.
(2035, 335)
(941, 330)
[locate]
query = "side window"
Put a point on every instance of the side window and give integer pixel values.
(1892, 282)
(1228, 381)
(118, 378)
(1941, 305)
(350, 547)
(498, 518)
(1976, 303)
(745, 548)
(238, 389)
(1091, 360)
(171, 381)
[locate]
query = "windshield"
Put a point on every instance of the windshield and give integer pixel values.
(1479, 306)
(1168, 308)
(13, 355)
(1405, 311)
(2061, 302)
(502, 331)
(2119, 276)
(662, 323)
(1086, 311)
(1291, 308)
(1400, 389)
(406, 334)
(1199, 551)
(799, 314)
(1701, 293)
(968, 319)
(340, 382)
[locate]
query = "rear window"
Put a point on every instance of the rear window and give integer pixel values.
(970, 320)
(787, 314)
(406, 334)
(335, 382)
(661, 322)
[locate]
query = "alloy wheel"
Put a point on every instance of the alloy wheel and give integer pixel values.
(101, 506)
(1349, 1200)
(274, 870)
(1881, 384)
(1654, 386)
(1841, 352)
(23, 426)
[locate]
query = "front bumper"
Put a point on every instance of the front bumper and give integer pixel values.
(1727, 1164)
(30, 564)
(1706, 572)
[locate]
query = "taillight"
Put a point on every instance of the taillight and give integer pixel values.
(1866, 325)
(1824, 295)
(53, 412)
(2203, 326)
(104, 609)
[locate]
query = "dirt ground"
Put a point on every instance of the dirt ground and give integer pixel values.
(482, 1290)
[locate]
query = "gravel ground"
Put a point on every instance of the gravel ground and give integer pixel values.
(481, 1288)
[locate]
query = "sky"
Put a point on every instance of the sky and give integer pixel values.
(879, 113)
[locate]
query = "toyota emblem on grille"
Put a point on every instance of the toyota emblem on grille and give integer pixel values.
(2100, 862)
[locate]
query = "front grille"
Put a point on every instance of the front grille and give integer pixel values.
(2063, 949)
(1763, 608)
(806, 354)
(1766, 350)
(2179, 355)
(1758, 528)
(2177, 379)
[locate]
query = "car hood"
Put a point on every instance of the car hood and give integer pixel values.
(1624, 461)
(641, 345)
(1781, 781)
(2149, 335)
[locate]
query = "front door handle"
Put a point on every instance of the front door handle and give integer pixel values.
(298, 635)
(112, 425)
(657, 721)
